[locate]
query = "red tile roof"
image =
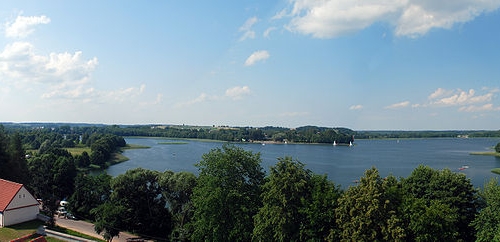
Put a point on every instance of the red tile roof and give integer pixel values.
(8, 191)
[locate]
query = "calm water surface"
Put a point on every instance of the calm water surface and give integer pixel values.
(341, 164)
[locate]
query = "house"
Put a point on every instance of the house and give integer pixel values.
(17, 205)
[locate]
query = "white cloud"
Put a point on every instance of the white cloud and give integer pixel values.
(246, 28)
(398, 105)
(63, 76)
(474, 108)
(356, 107)
(257, 56)
(234, 93)
(23, 26)
(268, 31)
(237, 93)
(412, 18)
(439, 93)
(20, 64)
(467, 101)
(459, 97)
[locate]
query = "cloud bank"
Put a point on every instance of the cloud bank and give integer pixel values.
(63, 76)
(410, 18)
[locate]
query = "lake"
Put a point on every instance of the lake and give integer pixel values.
(342, 164)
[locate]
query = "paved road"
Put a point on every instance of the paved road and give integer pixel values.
(88, 229)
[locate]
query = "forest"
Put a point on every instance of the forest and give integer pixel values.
(233, 199)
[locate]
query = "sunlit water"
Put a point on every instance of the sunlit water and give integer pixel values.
(341, 164)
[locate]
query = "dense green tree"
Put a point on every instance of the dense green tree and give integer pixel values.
(450, 189)
(90, 192)
(108, 219)
(431, 220)
(42, 185)
(497, 148)
(284, 195)
(178, 189)
(226, 196)
(138, 191)
(83, 160)
(319, 211)
(487, 222)
(13, 165)
(368, 211)
(63, 180)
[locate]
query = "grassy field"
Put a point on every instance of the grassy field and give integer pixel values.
(78, 150)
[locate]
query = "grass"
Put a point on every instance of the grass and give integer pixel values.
(71, 232)
(135, 146)
(496, 171)
(19, 230)
(78, 150)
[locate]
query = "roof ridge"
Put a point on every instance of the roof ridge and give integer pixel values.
(16, 183)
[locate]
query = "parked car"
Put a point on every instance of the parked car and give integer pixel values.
(61, 211)
(70, 216)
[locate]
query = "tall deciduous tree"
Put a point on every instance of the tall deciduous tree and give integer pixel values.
(178, 189)
(282, 215)
(320, 210)
(108, 219)
(368, 212)
(487, 222)
(138, 191)
(226, 196)
(449, 189)
(90, 192)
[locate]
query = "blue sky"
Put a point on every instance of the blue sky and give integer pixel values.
(364, 65)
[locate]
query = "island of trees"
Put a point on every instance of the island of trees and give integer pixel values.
(233, 199)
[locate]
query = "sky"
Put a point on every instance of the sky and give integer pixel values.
(359, 64)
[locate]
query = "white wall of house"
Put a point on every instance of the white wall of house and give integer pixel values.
(24, 207)
(20, 215)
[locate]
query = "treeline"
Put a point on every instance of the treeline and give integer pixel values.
(387, 134)
(306, 134)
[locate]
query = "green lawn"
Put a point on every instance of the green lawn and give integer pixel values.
(19, 230)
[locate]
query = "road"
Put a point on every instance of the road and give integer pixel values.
(88, 229)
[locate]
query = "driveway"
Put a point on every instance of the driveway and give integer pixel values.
(88, 229)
